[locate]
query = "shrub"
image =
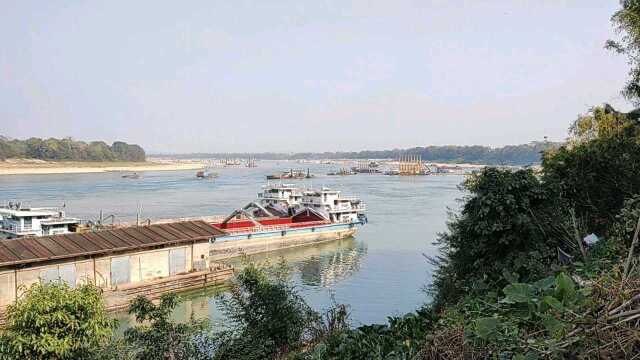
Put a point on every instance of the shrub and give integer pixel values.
(157, 337)
(500, 229)
(267, 317)
(54, 321)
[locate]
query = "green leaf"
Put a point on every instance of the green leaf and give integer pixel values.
(511, 277)
(527, 356)
(545, 284)
(553, 325)
(565, 288)
(553, 303)
(486, 327)
(518, 292)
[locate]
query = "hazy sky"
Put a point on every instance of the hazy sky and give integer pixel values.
(185, 76)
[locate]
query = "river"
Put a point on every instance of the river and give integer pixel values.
(380, 272)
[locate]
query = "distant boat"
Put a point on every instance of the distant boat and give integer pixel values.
(131, 176)
(204, 174)
(251, 163)
(342, 172)
(291, 174)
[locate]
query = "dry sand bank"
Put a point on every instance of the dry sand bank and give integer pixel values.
(33, 167)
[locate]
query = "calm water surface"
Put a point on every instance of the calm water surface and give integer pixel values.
(380, 272)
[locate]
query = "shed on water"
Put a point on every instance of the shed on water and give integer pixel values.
(108, 258)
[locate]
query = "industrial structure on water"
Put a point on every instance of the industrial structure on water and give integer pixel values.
(412, 165)
(166, 255)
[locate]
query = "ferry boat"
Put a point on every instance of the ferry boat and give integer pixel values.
(286, 216)
(16, 221)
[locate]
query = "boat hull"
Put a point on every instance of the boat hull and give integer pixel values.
(258, 242)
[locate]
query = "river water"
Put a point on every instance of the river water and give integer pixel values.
(380, 272)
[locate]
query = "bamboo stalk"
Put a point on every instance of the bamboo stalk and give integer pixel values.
(625, 304)
(631, 250)
(577, 235)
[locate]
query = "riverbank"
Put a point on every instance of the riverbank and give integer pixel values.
(40, 167)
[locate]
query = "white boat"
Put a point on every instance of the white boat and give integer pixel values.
(16, 221)
(311, 216)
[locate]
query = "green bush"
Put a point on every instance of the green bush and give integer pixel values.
(500, 229)
(402, 338)
(54, 321)
(595, 178)
(267, 317)
(158, 337)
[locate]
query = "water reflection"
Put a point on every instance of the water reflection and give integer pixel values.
(319, 265)
(198, 304)
(330, 267)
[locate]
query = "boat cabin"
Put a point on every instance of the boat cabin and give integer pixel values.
(16, 221)
(337, 208)
(281, 197)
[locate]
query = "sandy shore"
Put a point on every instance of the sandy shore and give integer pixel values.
(33, 167)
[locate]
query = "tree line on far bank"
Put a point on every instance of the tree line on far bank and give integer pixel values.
(68, 149)
(524, 154)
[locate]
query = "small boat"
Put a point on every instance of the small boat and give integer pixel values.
(131, 176)
(342, 172)
(204, 174)
(291, 174)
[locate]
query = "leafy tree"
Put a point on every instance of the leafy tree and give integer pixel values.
(125, 152)
(500, 229)
(596, 173)
(68, 149)
(54, 321)
(157, 336)
(627, 23)
(600, 122)
(267, 317)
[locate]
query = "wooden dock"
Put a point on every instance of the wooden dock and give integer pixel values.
(121, 297)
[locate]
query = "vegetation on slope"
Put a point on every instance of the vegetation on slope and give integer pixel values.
(69, 150)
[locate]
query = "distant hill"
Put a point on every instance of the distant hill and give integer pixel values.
(68, 149)
(525, 154)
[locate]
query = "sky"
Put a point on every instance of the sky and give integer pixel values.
(293, 76)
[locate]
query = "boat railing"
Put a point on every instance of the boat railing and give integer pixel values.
(269, 228)
(11, 227)
(259, 228)
(346, 207)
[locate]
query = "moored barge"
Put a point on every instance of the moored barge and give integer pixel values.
(286, 216)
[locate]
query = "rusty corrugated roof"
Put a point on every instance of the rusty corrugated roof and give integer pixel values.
(36, 249)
